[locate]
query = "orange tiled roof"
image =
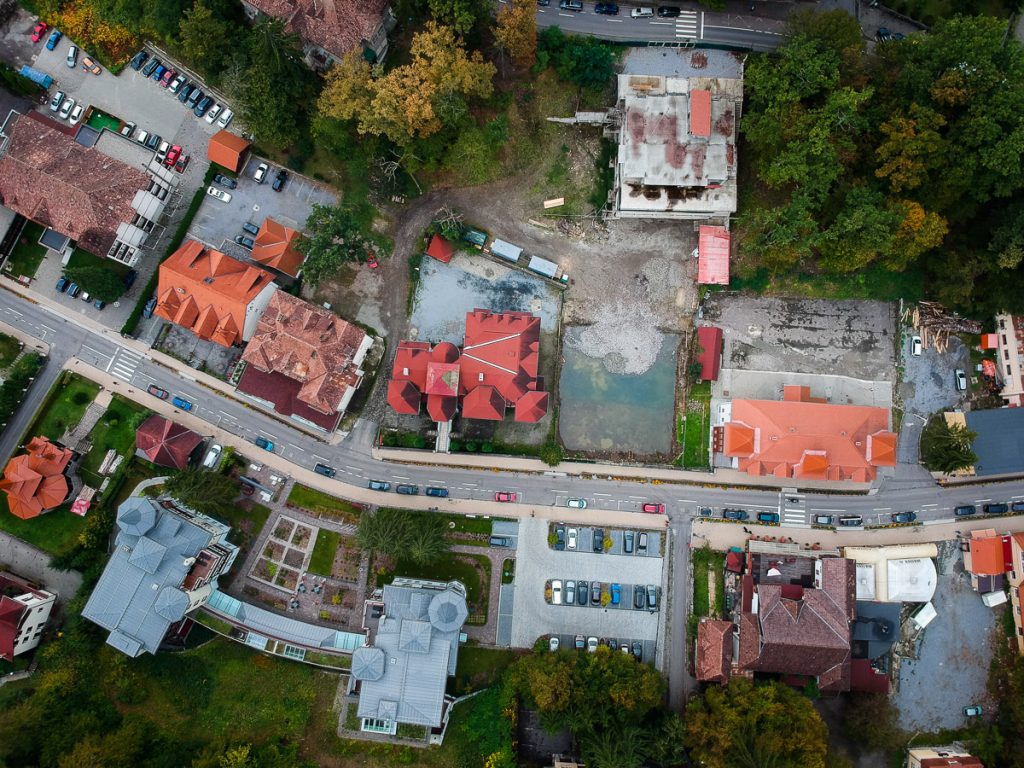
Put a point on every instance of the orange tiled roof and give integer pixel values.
(714, 650)
(35, 482)
(987, 553)
(208, 292)
(802, 437)
(226, 149)
(310, 345)
(275, 248)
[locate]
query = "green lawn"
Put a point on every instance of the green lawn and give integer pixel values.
(455, 566)
(82, 258)
(66, 403)
(323, 503)
(223, 690)
(100, 120)
(480, 668)
(52, 532)
(696, 425)
(10, 348)
(28, 254)
(322, 560)
(115, 430)
(705, 560)
(463, 524)
(873, 282)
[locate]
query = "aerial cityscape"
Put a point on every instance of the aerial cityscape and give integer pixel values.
(511, 383)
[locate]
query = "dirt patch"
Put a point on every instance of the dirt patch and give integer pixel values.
(294, 558)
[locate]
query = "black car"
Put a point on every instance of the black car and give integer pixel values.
(851, 521)
(184, 91)
(904, 517)
(967, 509)
(150, 68)
(996, 509)
(153, 141)
(252, 229)
(441, 493)
(408, 490)
(194, 98)
(595, 593)
(130, 278)
(228, 183)
(245, 242)
(638, 650)
(735, 514)
(326, 471)
(609, 9)
(138, 60)
(582, 590)
(279, 180)
(668, 11)
(599, 539)
(202, 106)
(638, 596)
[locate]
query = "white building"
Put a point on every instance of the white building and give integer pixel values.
(24, 611)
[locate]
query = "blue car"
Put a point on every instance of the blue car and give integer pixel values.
(147, 311)
(266, 445)
(62, 285)
(158, 73)
(54, 39)
(616, 593)
(179, 402)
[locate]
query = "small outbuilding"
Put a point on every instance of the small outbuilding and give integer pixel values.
(227, 150)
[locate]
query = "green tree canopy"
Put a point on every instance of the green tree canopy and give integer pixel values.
(335, 239)
(947, 447)
(204, 38)
(202, 490)
(101, 283)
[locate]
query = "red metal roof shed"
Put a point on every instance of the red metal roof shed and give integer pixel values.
(710, 358)
(713, 256)
(440, 249)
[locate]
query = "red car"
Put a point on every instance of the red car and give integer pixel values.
(371, 260)
(169, 75)
(654, 509)
(39, 32)
(505, 496)
(182, 163)
(155, 391)
(172, 155)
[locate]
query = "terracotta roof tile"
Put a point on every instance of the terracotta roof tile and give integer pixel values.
(484, 402)
(809, 439)
(337, 26)
(275, 248)
(34, 481)
(441, 407)
(283, 394)
(986, 554)
(309, 345)
(80, 192)
(208, 292)
(714, 650)
(166, 443)
(227, 150)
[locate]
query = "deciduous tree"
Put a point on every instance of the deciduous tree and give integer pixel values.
(204, 37)
(516, 31)
(335, 238)
(460, 15)
(202, 490)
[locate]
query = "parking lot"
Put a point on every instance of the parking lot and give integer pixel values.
(537, 563)
(585, 543)
(217, 223)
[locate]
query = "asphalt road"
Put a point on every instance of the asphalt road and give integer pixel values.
(692, 26)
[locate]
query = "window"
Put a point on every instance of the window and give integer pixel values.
(375, 725)
(291, 652)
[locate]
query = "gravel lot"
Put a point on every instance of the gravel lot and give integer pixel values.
(955, 650)
(536, 563)
(844, 338)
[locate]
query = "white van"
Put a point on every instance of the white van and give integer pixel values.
(642, 13)
(212, 456)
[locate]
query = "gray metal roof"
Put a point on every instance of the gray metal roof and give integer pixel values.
(1000, 442)
(419, 641)
(138, 596)
(368, 663)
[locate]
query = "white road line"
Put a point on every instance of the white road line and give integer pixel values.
(13, 311)
(982, 501)
(107, 369)
(824, 509)
(400, 477)
(608, 494)
(929, 505)
(883, 509)
(687, 501)
(702, 25)
(349, 466)
(662, 23)
(745, 29)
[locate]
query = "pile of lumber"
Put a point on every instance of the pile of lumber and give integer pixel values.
(935, 324)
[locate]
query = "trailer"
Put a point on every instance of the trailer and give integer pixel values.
(547, 269)
(506, 251)
(475, 238)
(39, 78)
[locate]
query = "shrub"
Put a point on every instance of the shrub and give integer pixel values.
(470, 446)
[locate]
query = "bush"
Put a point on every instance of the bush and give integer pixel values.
(487, 447)
(551, 453)
(470, 446)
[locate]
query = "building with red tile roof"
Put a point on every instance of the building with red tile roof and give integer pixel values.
(304, 361)
(713, 246)
(275, 248)
(36, 481)
(165, 443)
(331, 28)
(710, 358)
(714, 651)
(227, 150)
(950, 756)
(805, 438)
(440, 249)
(496, 369)
(78, 191)
(24, 611)
(216, 297)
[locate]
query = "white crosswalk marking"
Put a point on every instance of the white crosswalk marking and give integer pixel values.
(124, 364)
(687, 24)
(791, 515)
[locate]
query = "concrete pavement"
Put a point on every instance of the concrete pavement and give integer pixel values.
(27, 561)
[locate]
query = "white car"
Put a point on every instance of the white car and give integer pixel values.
(591, 644)
(161, 151)
(961, 380)
(570, 592)
(72, 59)
(553, 643)
(66, 107)
(577, 503)
(76, 113)
(915, 346)
(220, 194)
(556, 592)
(55, 102)
(143, 137)
(571, 536)
(225, 118)
(212, 114)
(261, 173)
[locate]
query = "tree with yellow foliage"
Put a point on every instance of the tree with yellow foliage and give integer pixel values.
(516, 31)
(412, 101)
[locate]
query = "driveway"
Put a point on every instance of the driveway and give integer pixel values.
(536, 563)
(217, 222)
(26, 561)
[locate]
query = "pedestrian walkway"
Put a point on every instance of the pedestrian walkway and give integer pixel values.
(486, 633)
(123, 363)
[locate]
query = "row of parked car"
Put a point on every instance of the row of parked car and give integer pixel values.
(569, 539)
(406, 489)
(187, 92)
(66, 107)
(602, 594)
(612, 9)
(591, 644)
(1000, 508)
(74, 290)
